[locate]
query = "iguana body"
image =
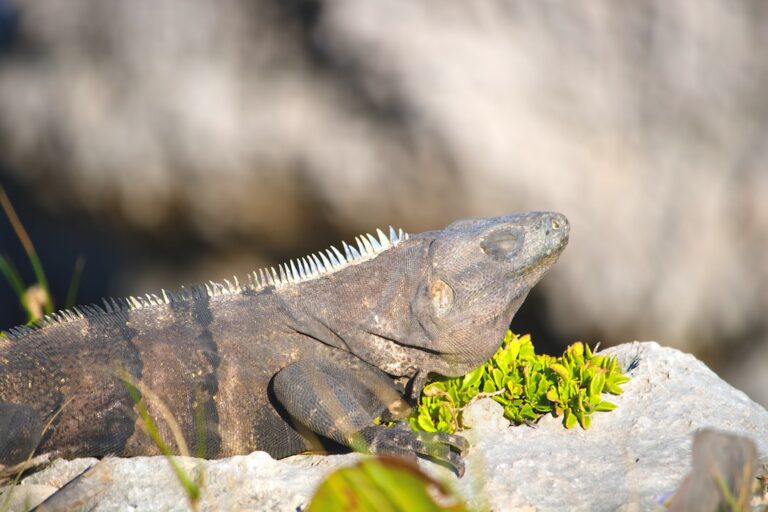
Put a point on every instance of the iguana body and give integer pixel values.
(291, 360)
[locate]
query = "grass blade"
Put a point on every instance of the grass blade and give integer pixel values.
(14, 279)
(29, 248)
(12, 276)
(190, 486)
(74, 283)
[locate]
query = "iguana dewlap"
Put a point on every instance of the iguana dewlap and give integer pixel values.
(297, 358)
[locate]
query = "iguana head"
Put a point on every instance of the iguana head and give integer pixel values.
(479, 272)
(434, 302)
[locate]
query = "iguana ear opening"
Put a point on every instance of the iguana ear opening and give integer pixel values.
(442, 296)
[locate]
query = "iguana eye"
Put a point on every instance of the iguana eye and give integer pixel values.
(503, 244)
(442, 296)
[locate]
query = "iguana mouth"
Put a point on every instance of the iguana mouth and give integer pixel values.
(403, 344)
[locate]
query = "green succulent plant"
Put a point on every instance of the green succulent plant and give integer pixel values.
(527, 385)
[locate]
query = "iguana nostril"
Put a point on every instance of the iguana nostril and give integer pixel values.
(503, 244)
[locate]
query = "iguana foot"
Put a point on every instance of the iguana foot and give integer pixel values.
(341, 404)
(442, 448)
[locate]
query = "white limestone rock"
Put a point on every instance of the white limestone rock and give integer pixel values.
(636, 455)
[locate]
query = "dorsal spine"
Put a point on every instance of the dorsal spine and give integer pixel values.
(293, 272)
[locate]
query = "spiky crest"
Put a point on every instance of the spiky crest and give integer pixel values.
(293, 272)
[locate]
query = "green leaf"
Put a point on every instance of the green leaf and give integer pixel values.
(498, 379)
(561, 371)
(542, 384)
(605, 406)
(612, 388)
(596, 384)
(575, 352)
(526, 349)
(473, 377)
(433, 389)
(526, 411)
(552, 394)
(584, 420)
(598, 361)
(513, 349)
(444, 415)
(580, 397)
(620, 378)
(503, 399)
(569, 420)
(426, 424)
(385, 484)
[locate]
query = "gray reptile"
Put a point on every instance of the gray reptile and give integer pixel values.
(302, 358)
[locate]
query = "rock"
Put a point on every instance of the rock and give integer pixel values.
(484, 415)
(721, 462)
(82, 490)
(636, 456)
(252, 482)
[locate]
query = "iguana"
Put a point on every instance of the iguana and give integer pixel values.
(299, 358)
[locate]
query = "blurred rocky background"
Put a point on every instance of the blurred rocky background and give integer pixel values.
(171, 141)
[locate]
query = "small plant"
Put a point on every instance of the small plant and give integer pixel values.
(35, 299)
(527, 385)
(383, 483)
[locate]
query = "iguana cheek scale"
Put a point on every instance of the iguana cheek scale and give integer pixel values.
(304, 356)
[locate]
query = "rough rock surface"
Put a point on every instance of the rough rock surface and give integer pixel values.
(634, 457)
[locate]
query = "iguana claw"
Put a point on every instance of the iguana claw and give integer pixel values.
(440, 447)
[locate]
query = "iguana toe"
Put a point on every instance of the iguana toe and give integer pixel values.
(445, 449)
(456, 442)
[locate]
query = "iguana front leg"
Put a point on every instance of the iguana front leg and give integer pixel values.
(342, 403)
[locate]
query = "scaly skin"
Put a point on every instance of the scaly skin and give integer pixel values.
(283, 364)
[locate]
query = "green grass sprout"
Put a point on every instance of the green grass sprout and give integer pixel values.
(35, 299)
(74, 282)
(12, 275)
(29, 248)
